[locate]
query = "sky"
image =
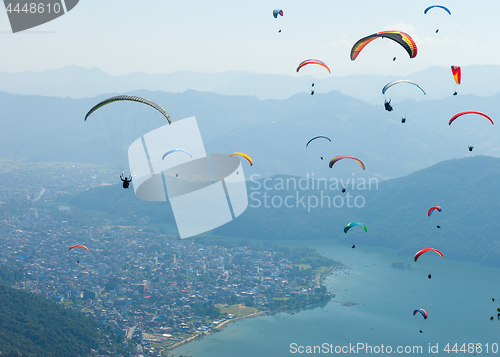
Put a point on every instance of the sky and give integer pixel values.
(163, 36)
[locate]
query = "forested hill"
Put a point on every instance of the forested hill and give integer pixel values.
(394, 211)
(31, 325)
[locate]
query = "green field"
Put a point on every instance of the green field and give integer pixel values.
(237, 310)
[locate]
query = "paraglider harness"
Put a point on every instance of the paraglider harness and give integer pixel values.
(126, 180)
(471, 147)
(387, 105)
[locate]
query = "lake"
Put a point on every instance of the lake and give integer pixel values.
(458, 299)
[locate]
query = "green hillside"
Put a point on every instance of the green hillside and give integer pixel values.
(31, 325)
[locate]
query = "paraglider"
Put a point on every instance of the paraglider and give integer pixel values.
(117, 133)
(243, 155)
(400, 37)
(388, 106)
(432, 209)
(175, 150)
(313, 61)
(390, 84)
(126, 180)
(439, 7)
(471, 147)
(438, 208)
(340, 157)
(457, 74)
(276, 13)
(337, 158)
(353, 224)
(422, 311)
(79, 245)
(319, 137)
(132, 98)
(469, 112)
(422, 251)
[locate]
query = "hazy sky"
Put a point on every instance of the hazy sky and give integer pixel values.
(153, 36)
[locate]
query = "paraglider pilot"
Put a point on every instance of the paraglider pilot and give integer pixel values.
(455, 93)
(471, 147)
(126, 180)
(387, 105)
(403, 120)
(312, 92)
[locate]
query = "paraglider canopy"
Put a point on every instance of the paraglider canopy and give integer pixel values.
(469, 112)
(422, 251)
(313, 61)
(390, 84)
(439, 7)
(318, 137)
(175, 150)
(129, 98)
(79, 245)
(352, 224)
(338, 158)
(277, 12)
(400, 37)
(438, 208)
(457, 73)
(422, 311)
(243, 155)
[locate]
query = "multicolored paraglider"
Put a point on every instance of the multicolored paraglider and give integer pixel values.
(422, 251)
(132, 98)
(432, 209)
(277, 12)
(338, 158)
(313, 61)
(175, 150)
(400, 37)
(353, 224)
(390, 84)
(457, 74)
(243, 155)
(422, 311)
(438, 208)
